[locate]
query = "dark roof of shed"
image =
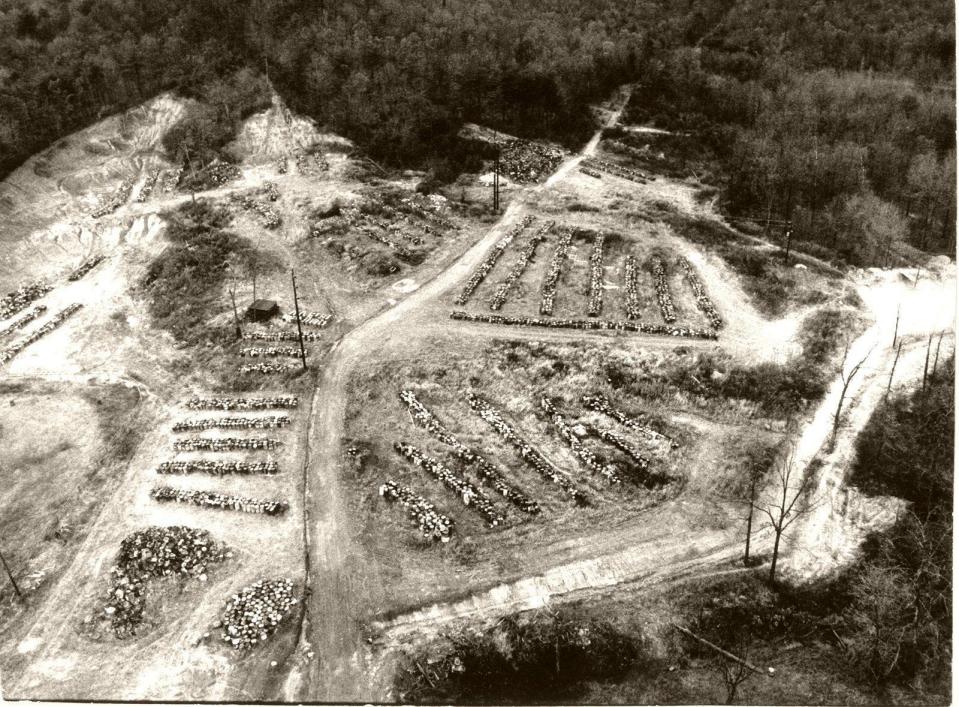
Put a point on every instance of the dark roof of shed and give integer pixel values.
(264, 305)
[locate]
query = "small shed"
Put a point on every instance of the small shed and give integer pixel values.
(262, 310)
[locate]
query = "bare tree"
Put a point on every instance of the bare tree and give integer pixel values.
(733, 672)
(847, 379)
(786, 505)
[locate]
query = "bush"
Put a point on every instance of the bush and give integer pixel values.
(525, 659)
(183, 282)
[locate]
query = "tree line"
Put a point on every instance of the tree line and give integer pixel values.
(838, 118)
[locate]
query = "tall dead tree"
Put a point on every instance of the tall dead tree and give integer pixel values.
(847, 378)
(786, 504)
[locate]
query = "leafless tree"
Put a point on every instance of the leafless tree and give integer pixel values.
(787, 503)
(847, 378)
(734, 672)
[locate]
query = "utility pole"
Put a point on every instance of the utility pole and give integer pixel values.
(12, 580)
(236, 315)
(496, 181)
(299, 324)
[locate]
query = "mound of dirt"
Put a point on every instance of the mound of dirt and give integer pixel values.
(276, 133)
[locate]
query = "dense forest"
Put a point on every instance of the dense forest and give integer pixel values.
(836, 116)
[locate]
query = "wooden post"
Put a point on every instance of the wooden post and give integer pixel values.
(299, 324)
(789, 234)
(496, 181)
(16, 588)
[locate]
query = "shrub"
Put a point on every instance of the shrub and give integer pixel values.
(183, 282)
(554, 657)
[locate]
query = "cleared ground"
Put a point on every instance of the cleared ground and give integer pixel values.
(389, 331)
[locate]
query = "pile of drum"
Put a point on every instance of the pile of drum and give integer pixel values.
(224, 444)
(594, 304)
(633, 310)
(86, 267)
(524, 161)
(587, 324)
(525, 451)
(491, 259)
(270, 351)
(118, 199)
(516, 272)
(705, 304)
(233, 423)
(287, 402)
(14, 301)
(281, 336)
(431, 523)
(152, 553)
(212, 499)
(484, 469)
(31, 314)
(51, 324)
(662, 290)
(218, 468)
(608, 471)
(471, 496)
(253, 615)
(551, 280)
(315, 319)
(269, 367)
